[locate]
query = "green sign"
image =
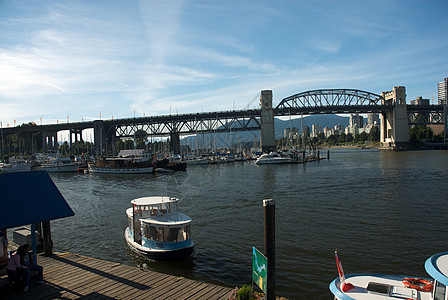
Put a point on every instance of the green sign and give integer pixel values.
(259, 269)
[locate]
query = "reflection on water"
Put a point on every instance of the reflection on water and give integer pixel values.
(385, 211)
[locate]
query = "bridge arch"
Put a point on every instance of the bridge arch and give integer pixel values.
(331, 98)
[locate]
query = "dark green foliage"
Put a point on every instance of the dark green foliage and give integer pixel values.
(245, 293)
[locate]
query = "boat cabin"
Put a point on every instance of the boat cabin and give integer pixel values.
(156, 232)
(156, 220)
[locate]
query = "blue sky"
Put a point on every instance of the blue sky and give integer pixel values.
(85, 58)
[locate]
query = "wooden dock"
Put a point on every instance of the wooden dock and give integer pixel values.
(73, 276)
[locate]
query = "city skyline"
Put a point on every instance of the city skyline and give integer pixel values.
(70, 61)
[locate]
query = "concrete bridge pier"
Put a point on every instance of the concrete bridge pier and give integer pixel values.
(75, 133)
(49, 141)
(267, 132)
(445, 123)
(175, 142)
(394, 132)
(104, 138)
(99, 138)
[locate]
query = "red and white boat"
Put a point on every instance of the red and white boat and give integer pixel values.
(383, 287)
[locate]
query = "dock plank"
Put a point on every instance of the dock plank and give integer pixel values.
(73, 276)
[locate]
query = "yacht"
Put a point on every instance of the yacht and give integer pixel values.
(157, 230)
(383, 287)
(15, 166)
(60, 164)
(273, 158)
(122, 165)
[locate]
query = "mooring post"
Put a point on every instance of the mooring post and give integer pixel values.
(328, 154)
(269, 245)
(48, 243)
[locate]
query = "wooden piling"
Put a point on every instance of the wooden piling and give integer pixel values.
(269, 245)
(46, 237)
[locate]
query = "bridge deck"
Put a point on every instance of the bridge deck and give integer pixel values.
(72, 276)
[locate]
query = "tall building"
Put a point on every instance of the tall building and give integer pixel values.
(356, 121)
(443, 92)
(315, 129)
(373, 119)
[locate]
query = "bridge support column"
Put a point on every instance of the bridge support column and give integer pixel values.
(99, 138)
(267, 132)
(175, 142)
(445, 123)
(49, 141)
(394, 133)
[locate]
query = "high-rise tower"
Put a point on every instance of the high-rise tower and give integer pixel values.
(443, 92)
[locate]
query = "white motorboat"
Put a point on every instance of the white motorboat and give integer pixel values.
(273, 158)
(60, 164)
(382, 287)
(15, 167)
(157, 230)
(197, 160)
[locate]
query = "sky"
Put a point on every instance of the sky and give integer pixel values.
(73, 61)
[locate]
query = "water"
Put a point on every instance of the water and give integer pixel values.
(386, 212)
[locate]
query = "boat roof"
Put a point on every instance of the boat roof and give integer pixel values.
(174, 219)
(437, 267)
(153, 200)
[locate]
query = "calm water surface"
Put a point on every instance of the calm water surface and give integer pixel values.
(386, 212)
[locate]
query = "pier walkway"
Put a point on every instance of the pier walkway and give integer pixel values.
(73, 276)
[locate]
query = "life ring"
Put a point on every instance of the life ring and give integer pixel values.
(419, 284)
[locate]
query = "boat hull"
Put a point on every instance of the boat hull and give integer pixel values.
(273, 161)
(60, 169)
(109, 170)
(180, 254)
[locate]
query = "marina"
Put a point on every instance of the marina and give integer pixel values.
(73, 276)
(320, 206)
(357, 202)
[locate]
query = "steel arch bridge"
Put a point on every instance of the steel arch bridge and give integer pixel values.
(330, 101)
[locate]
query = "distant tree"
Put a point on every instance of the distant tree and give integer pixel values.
(64, 149)
(321, 136)
(349, 138)
(332, 140)
(362, 137)
(374, 134)
(342, 138)
(140, 137)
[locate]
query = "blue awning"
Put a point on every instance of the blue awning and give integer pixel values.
(30, 197)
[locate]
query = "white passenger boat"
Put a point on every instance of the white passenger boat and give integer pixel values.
(382, 287)
(122, 165)
(60, 164)
(273, 158)
(157, 230)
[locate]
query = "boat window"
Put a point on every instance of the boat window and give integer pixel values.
(183, 233)
(150, 232)
(158, 234)
(439, 291)
(379, 288)
(164, 208)
(170, 234)
(130, 223)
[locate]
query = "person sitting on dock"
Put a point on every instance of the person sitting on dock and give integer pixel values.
(26, 259)
(14, 270)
